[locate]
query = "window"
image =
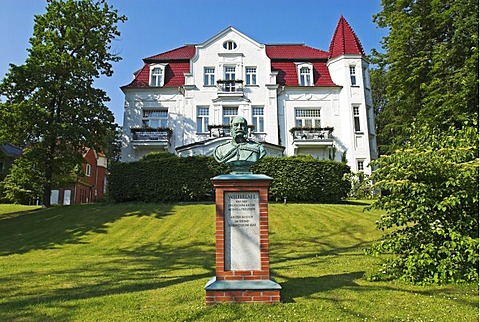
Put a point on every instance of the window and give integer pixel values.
(228, 114)
(156, 77)
(307, 118)
(202, 119)
(305, 74)
(88, 170)
(209, 76)
(356, 118)
(229, 45)
(251, 75)
(360, 165)
(155, 118)
(305, 79)
(230, 75)
(257, 119)
(353, 77)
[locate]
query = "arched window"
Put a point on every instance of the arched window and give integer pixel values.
(229, 45)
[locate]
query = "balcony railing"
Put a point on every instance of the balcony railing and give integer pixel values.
(314, 133)
(224, 130)
(230, 86)
(160, 135)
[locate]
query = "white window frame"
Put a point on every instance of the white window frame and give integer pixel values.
(353, 75)
(230, 45)
(88, 170)
(228, 113)
(209, 76)
(229, 73)
(250, 75)
(308, 117)
(152, 117)
(305, 78)
(357, 127)
(258, 118)
(157, 80)
(203, 116)
(360, 165)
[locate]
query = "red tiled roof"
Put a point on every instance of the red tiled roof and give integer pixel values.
(185, 52)
(173, 75)
(282, 58)
(344, 41)
(287, 73)
(294, 52)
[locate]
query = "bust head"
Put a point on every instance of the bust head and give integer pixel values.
(238, 129)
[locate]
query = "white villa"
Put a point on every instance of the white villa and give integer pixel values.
(297, 99)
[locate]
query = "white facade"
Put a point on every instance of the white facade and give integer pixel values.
(181, 101)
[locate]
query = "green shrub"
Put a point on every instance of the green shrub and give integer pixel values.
(305, 179)
(167, 178)
(361, 186)
(430, 193)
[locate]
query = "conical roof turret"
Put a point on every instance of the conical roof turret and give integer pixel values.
(344, 41)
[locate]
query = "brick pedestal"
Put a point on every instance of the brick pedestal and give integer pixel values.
(242, 257)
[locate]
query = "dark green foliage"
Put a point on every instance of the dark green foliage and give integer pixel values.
(361, 186)
(430, 193)
(51, 105)
(166, 178)
(163, 178)
(305, 179)
(429, 71)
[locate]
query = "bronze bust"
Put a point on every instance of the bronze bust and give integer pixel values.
(241, 152)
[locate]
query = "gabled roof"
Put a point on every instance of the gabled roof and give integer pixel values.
(295, 51)
(282, 56)
(344, 41)
(182, 53)
(225, 32)
(173, 75)
(10, 150)
(288, 76)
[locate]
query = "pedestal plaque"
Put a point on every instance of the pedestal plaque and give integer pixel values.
(242, 271)
(242, 231)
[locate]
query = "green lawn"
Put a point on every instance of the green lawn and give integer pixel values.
(149, 262)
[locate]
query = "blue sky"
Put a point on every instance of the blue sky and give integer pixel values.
(155, 26)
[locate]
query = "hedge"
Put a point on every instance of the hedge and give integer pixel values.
(305, 179)
(175, 179)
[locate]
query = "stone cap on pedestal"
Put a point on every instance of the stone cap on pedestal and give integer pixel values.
(214, 285)
(244, 176)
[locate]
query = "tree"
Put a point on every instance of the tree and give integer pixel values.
(430, 194)
(431, 64)
(378, 80)
(51, 105)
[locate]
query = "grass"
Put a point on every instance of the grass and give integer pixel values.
(149, 262)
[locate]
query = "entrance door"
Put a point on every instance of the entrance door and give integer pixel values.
(54, 197)
(66, 197)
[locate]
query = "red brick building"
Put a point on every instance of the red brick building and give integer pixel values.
(89, 188)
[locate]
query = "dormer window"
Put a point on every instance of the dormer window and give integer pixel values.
(229, 45)
(305, 74)
(157, 75)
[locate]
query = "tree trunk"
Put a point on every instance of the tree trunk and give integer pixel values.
(47, 191)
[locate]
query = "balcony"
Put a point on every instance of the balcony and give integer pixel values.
(230, 88)
(151, 136)
(224, 130)
(315, 136)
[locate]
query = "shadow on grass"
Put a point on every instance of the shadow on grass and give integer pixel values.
(132, 271)
(49, 228)
(307, 286)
